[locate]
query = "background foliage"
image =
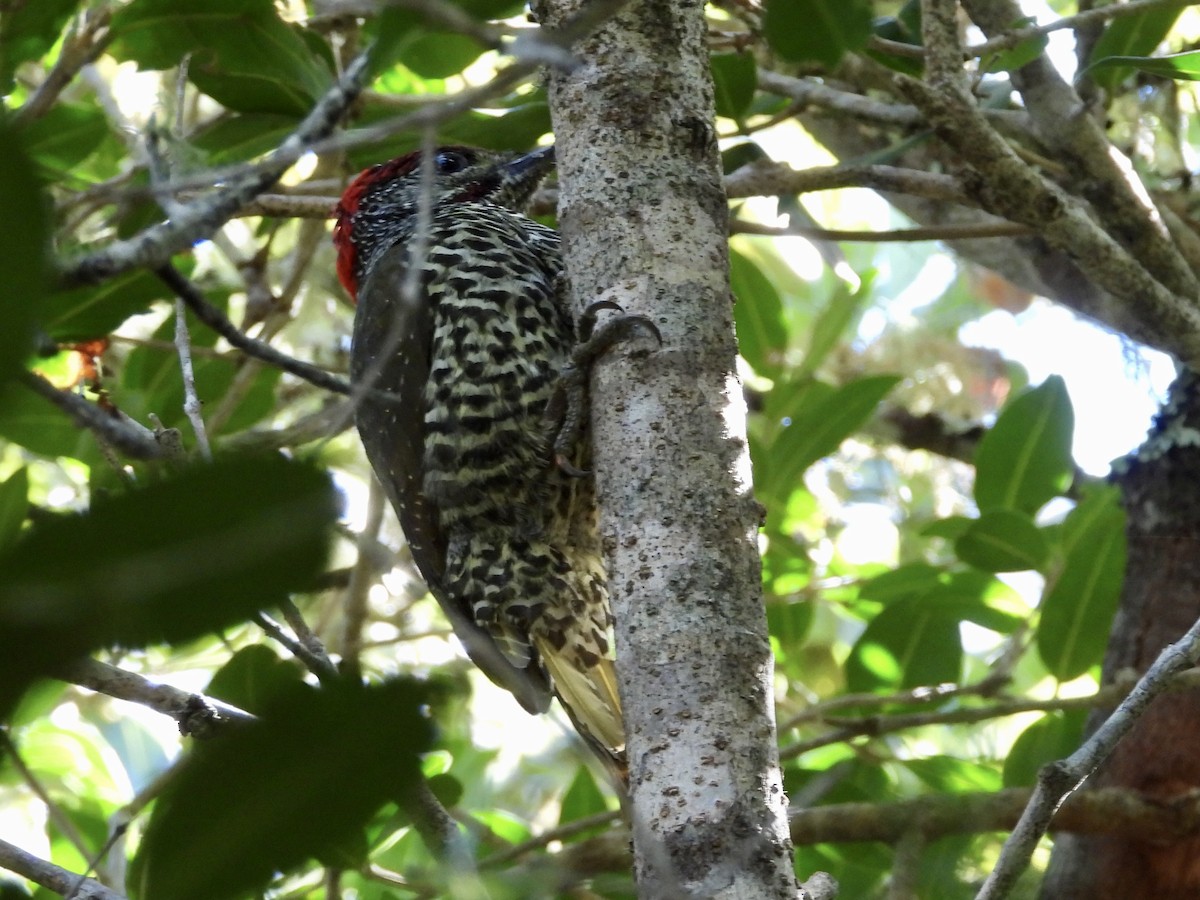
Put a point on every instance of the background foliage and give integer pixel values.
(166, 568)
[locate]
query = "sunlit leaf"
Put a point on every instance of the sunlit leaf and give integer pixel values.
(1077, 611)
(1003, 540)
(1025, 458)
(1132, 36)
(818, 422)
(909, 644)
(239, 52)
(1178, 66)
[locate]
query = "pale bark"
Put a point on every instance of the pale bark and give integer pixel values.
(644, 217)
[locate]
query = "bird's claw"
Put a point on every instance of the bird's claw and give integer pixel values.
(567, 409)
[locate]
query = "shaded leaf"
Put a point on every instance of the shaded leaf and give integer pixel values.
(1025, 458)
(911, 580)
(27, 31)
(14, 505)
(817, 30)
(65, 136)
(735, 80)
(301, 782)
(37, 425)
(253, 677)
(758, 314)
(909, 644)
(583, 798)
(24, 263)
(1003, 540)
(818, 423)
(1054, 736)
(167, 562)
(239, 52)
(97, 310)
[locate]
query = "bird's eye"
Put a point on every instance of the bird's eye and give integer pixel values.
(450, 161)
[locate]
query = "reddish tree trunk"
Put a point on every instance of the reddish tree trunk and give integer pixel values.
(1160, 601)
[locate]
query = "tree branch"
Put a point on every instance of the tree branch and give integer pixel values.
(1058, 780)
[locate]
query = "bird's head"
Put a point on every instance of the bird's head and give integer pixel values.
(381, 205)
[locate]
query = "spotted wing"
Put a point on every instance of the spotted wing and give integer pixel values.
(390, 354)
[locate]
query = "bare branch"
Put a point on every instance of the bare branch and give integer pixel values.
(196, 714)
(52, 877)
(1058, 780)
(114, 429)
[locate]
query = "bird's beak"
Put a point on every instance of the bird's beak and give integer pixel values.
(533, 165)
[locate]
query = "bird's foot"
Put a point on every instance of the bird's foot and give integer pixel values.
(568, 406)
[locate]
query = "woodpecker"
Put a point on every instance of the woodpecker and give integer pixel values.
(469, 363)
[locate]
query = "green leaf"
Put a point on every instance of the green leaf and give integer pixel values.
(583, 798)
(817, 30)
(951, 527)
(1025, 458)
(1021, 55)
(253, 677)
(908, 644)
(521, 126)
(24, 248)
(903, 29)
(948, 774)
(167, 562)
(238, 138)
(1078, 608)
(14, 505)
(735, 79)
(1178, 66)
(1054, 736)
(37, 425)
(95, 311)
(818, 423)
(239, 52)
(404, 37)
(841, 310)
(301, 782)
(1003, 540)
(27, 31)
(758, 314)
(911, 580)
(1131, 36)
(788, 622)
(65, 136)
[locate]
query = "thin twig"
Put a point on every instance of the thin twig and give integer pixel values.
(362, 576)
(898, 235)
(190, 294)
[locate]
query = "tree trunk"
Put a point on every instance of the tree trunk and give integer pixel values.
(644, 218)
(1161, 600)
